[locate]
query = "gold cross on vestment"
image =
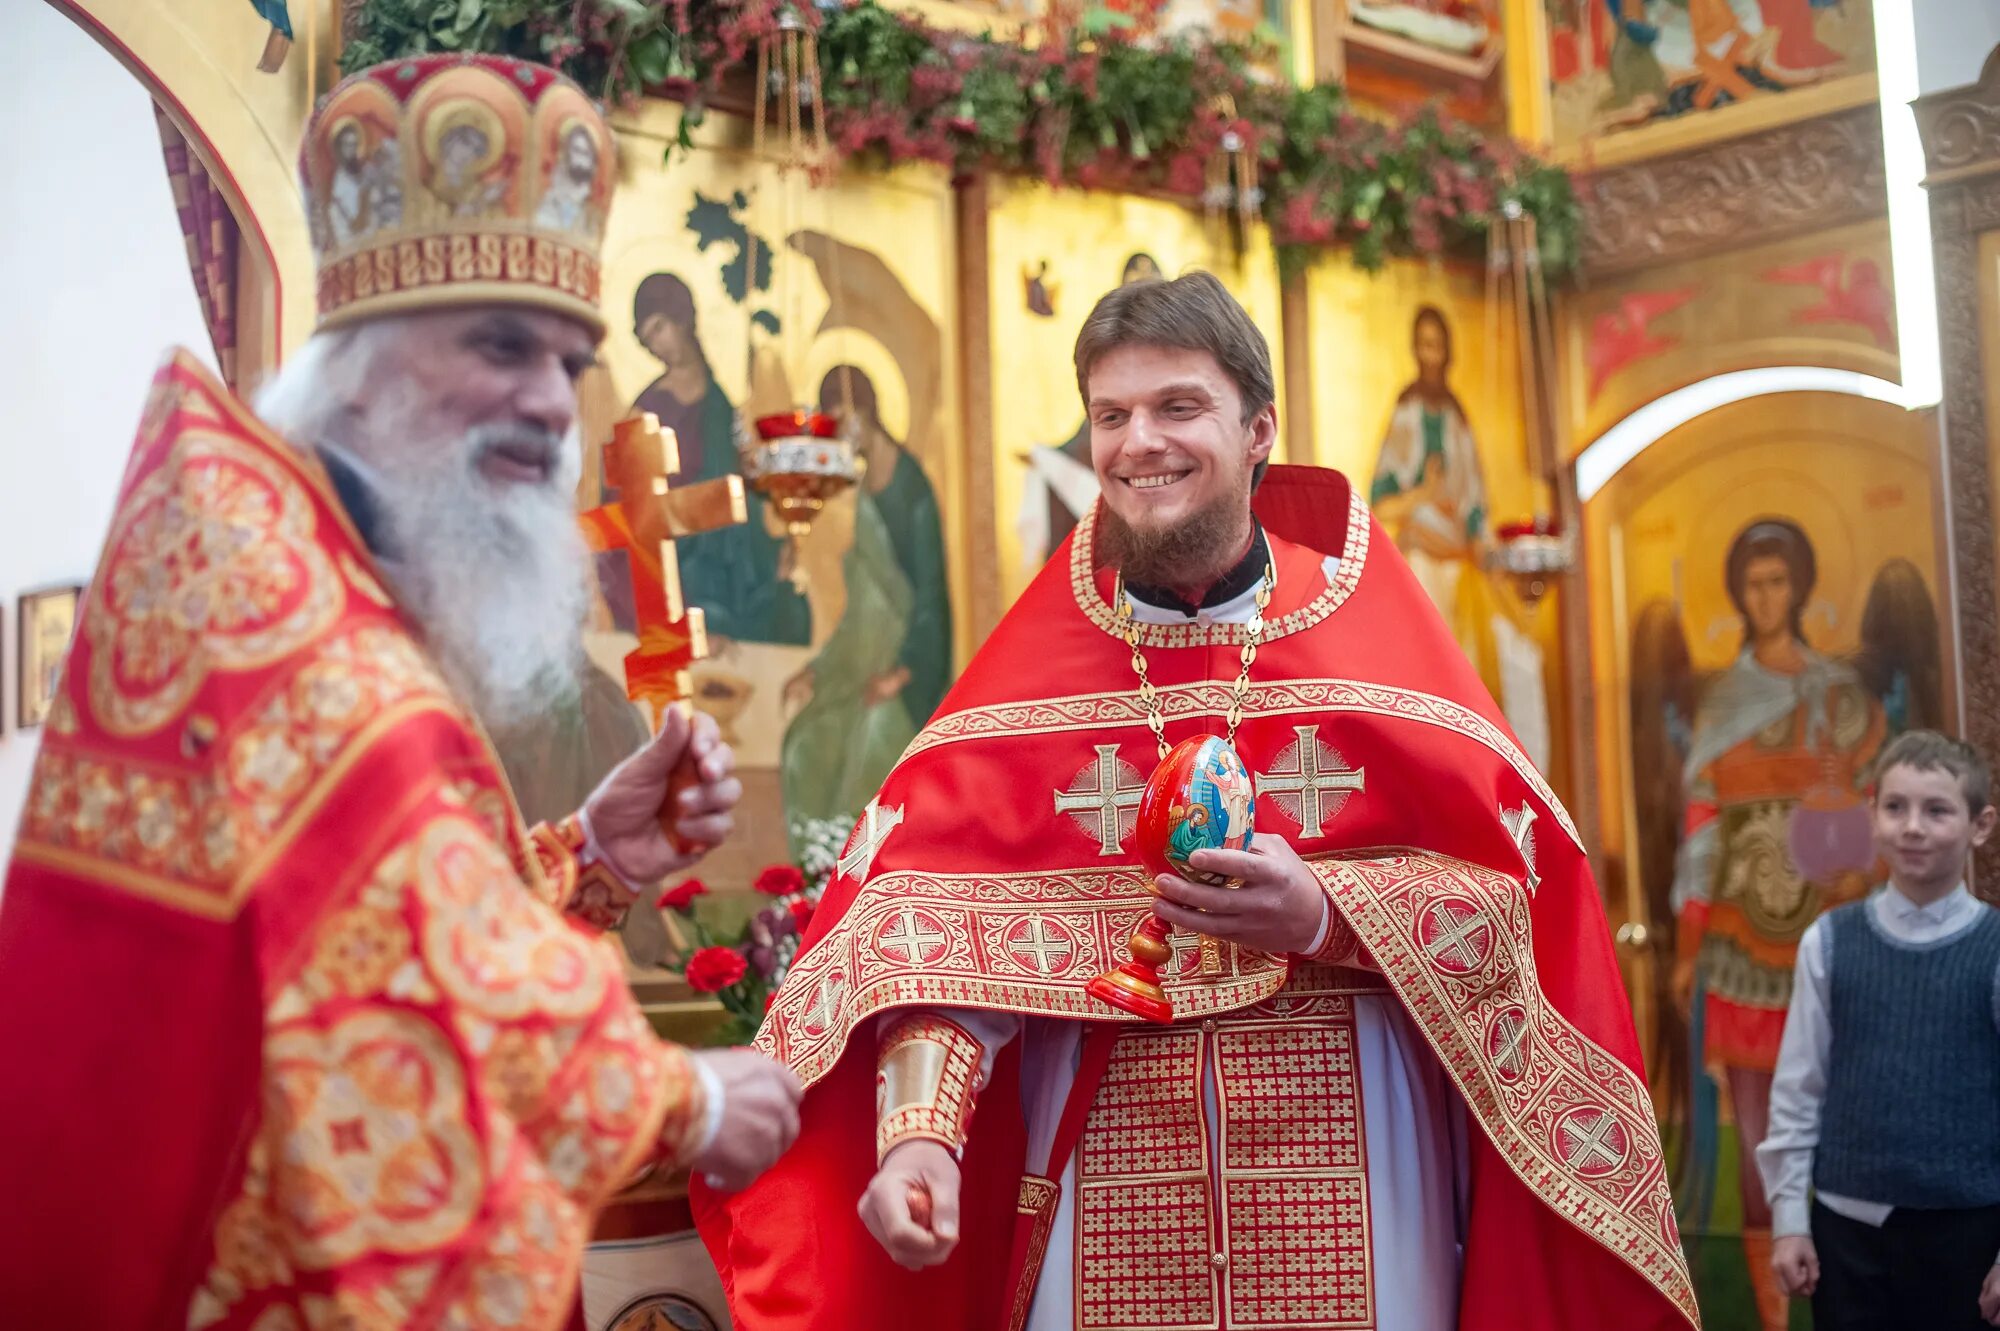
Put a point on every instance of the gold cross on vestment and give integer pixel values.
(1520, 824)
(1591, 1144)
(876, 823)
(1306, 774)
(1044, 947)
(1457, 942)
(1106, 792)
(910, 935)
(644, 522)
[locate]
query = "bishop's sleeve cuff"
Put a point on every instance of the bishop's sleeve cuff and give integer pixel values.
(695, 1107)
(575, 877)
(1337, 944)
(927, 1076)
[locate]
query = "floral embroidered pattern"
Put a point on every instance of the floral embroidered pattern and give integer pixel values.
(214, 565)
(197, 837)
(453, 1083)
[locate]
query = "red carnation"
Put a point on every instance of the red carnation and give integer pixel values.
(682, 894)
(802, 913)
(780, 880)
(714, 969)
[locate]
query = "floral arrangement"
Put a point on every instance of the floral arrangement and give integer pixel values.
(744, 972)
(1099, 102)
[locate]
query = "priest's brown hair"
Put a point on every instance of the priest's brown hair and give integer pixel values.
(1193, 312)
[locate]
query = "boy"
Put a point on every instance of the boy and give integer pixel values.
(1887, 1095)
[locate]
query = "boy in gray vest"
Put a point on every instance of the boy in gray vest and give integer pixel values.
(1886, 1102)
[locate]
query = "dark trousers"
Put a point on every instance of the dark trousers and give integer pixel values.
(1920, 1271)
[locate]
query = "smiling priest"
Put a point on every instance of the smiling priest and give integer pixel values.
(1401, 1088)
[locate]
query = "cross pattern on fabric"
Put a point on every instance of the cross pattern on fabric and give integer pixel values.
(866, 843)
(1591, 1141)
(1506, 1043)
(1299, 1252)
(916, 937)
(1520, 824)
(1456, 935)
(1310, 781)
(1104, 798)
(1041, 945)
(824, 1013)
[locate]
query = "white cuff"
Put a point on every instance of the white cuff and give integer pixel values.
(711, 1097)
(1790, 1217)
(592, 853)
(1325, 924)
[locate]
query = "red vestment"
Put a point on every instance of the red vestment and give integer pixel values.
(980, 879)
(299, 1032)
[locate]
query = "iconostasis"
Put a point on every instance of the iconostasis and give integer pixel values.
(735, 289)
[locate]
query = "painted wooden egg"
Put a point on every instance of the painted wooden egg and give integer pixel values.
(1199, 798)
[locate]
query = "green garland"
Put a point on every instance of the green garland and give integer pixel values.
(1097, 109)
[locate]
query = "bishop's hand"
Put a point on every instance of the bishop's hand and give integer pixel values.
(625, 811)
(1279, 909)
(911, 1206)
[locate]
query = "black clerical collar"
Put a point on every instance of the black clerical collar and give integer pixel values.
(358, 498)
(1248, 571)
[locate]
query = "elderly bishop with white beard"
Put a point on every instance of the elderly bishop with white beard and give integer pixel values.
(309, 1028)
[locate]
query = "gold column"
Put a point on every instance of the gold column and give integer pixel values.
(1960, 128)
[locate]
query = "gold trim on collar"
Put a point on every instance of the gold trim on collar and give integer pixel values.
(1083, 585)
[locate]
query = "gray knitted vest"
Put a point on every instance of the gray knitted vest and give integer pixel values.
(1912, 1110)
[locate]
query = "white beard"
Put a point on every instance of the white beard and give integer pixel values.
(496, 580)
(495, 576)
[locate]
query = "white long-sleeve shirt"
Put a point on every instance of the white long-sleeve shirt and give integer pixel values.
(1798, 1089)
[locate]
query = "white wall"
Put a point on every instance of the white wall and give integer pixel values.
(1953, 39)
(94, 287)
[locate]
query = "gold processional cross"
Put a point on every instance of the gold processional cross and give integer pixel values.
(644, 521)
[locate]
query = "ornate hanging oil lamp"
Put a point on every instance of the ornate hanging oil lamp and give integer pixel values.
(798, 461)
(1231, 171)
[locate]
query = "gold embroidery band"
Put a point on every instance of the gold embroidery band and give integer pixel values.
(1263, 1224)
(1036, 1209)
(927, 1075)
(1022, 942)
(1346, 577)
(1097, 711)
(1573, 1123)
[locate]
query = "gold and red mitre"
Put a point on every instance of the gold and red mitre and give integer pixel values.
(457, 179)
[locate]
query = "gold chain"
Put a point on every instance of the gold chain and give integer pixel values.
(1149, 697)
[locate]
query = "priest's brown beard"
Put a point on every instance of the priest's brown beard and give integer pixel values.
(1184, 554)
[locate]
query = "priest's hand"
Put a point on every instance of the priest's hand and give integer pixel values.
(1279, 909)
(624, 812)
(911, 1206)
(760, 1117)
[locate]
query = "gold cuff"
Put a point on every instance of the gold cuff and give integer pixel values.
(585, 889)
(552, 861)
(927, 1075)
